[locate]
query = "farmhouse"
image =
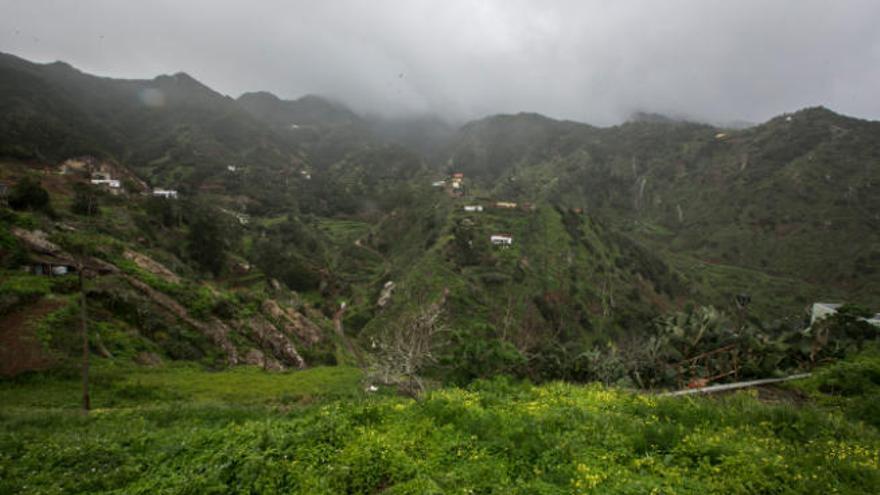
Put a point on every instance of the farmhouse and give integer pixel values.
(473, 208)
(165, 193)
(503, 240)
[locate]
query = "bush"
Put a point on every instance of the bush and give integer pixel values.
(28, 194)
(85, 200)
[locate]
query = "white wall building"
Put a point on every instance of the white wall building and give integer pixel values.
(501, 240)
(473, 208)
(165, 193)
(111, 183)
(821, 310)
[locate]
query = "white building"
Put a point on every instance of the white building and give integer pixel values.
(473, 208)
(503, 240)
(231, 168)
(165, 193)
(821, 311)
(438, 183)
(111, 183)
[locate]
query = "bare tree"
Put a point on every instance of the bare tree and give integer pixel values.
(408, 347)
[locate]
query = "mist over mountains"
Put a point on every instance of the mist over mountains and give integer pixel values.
(264, 292)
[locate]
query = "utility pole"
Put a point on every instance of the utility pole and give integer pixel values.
(86, 404)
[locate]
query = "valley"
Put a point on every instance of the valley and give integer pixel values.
(274, 295)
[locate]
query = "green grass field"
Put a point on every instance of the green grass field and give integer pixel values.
(180, 429)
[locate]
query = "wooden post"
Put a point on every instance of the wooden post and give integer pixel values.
(86, 402)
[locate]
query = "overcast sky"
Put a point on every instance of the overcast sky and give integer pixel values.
(592, 61)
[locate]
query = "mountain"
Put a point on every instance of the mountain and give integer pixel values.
(53, 111)
(294, 211)
(789, 198)
(309, 110)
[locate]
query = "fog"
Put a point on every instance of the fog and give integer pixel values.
(592, 61)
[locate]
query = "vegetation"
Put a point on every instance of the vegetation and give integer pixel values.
(181, 430)
(28, 195)
(647, 256)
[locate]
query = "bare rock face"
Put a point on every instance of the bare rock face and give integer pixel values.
(385, 295)
(256, 357)
(215, 329)
(150, 265)
(37, 241)
(293, 322)
(264, 333)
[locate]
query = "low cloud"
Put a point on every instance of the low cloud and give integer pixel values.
(593, 61)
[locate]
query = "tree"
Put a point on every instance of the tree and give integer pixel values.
(163, 210)
(206, 241)
(28, 194)
(407, 347)
(85, 200)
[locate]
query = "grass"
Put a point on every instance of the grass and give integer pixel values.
(129, 386)
(224, 433)
(343, 231)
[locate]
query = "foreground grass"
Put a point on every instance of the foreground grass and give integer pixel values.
(114, 387)
(233, 432)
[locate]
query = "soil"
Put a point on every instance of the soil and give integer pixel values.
(20, 349)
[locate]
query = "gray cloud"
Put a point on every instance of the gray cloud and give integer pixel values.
(594, 61)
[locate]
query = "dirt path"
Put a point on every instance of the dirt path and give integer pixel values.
(20, 349)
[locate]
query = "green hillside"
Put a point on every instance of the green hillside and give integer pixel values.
(789, 198)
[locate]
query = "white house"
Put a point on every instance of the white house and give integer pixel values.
(503, 240)
(822, 310)
(438, 183)
(111, 183)
(165, 193)
(473, 208)
(231, 168)
(457, 179)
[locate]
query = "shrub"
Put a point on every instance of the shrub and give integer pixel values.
(28, 194)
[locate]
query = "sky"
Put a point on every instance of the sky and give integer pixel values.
(586, 60)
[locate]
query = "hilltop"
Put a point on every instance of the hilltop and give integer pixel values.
(304, 208)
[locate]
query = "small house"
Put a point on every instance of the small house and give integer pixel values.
(822, 310)
(506, 205)
(457, 179)
(231, 168)
(49, 265)
(473, 208)
(503, 240)
(438, 183)
(720, 136)
(165, 193)
(111, 183)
